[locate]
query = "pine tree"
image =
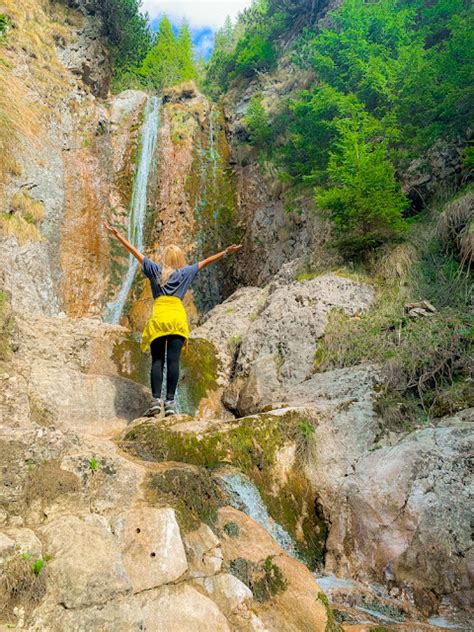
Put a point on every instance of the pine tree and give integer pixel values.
(161, 65)
(187, 68)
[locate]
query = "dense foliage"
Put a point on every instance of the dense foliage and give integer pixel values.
(390, 79)
(170, 59)
(141, 58)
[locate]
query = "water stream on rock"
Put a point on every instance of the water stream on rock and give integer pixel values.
(244, 495)
(207, 292)
(150, 128)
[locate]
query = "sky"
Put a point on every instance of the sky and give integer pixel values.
(204, 17)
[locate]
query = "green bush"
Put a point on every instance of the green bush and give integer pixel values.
(257, 121)
(4, 24)
(253, 53)
(363, 198)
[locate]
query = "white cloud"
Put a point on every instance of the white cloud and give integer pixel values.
(199, 13)
(204, 45)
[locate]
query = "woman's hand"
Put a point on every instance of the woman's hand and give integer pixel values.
(111, 229)
(230, 250)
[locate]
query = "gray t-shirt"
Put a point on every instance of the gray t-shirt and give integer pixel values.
(178, 283)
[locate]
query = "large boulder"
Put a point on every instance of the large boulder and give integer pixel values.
(288, 599)
(402, 516)
(78, 373)
(86, 567)
(152, 549)
(268, 338)
(179, 608)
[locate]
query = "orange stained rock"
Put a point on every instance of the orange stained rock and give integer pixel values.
(84, 250)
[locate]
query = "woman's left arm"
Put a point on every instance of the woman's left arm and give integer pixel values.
(136, 253)
(230, 250)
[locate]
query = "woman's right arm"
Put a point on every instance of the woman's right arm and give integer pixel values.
(136, 253)
(230, 250)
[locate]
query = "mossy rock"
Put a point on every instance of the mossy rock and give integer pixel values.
(130, 361)
(199, 367)
(251, 445)
(265, 579)
(194, 494)
(332, 625)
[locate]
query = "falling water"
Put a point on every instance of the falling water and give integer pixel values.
(207, 291)
(138, 204)
(212, 145)
(246, 497)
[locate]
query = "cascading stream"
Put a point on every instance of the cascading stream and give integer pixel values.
(207, 291)
(245, 496)
(138, 205)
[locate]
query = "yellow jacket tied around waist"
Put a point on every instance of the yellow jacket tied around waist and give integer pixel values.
(169, 317)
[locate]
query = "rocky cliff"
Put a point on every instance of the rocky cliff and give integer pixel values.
(219, 519)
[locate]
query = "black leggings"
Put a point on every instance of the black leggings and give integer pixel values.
(173, 345)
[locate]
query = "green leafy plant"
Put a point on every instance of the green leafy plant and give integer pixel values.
(257, 121)
(93, 464)
(4, 24)
(232, 529)
(306, 429)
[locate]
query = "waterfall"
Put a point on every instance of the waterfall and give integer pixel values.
(207, 288)
(245, 496)
(212, 145)
(138, 204)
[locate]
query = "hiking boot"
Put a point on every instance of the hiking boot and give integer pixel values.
(170, 407)
(154, 409)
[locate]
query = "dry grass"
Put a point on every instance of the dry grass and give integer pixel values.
(394, 265)
(19, 228)
(31, 210)
(22, 219)
(32, 79)
(456, 229)
(19, 122)
(19, 586)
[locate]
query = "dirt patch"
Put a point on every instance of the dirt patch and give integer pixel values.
(47, 481)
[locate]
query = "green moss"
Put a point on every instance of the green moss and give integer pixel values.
(232, 529)
(182, 125)
(305, 276)
(252, 446)
(130, 361)
(199, 367)
(331, 625)
(194, 494)
(265, 579)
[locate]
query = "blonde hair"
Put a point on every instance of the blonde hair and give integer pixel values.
(173, 259)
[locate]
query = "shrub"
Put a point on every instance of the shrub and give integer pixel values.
(364, 199)
(256, 119)
(253, 53)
